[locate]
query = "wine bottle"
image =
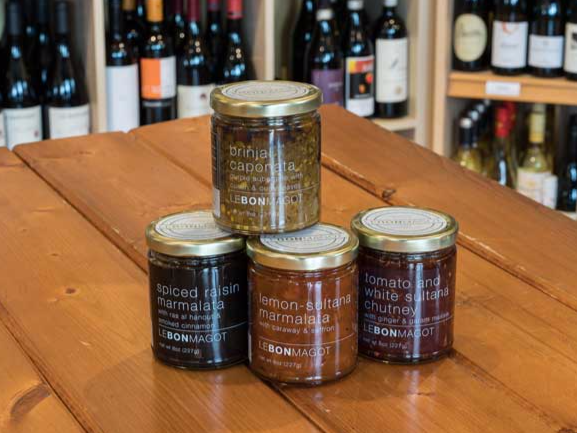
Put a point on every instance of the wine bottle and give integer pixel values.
(339, 8)
(236, 65)
(178, 25)
(214, 35)
(391, 49)
(67, 111)
(468, 155)
(43, 49)
(141, 12)
(325, 58)
(30, 29)
(122, 99)
(195, 81)
(567, 195)
(359, 62)
(501, 166)
(510, 33)
(570, 65)
(157, 69)
(471, 35)
(302, 36)
(133, 26)
(546, 39)
(22, 111)
(534, 168)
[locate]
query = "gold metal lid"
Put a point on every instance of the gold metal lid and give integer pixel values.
(191, 234)
(265, 99)
(405, 229)
(322, 246)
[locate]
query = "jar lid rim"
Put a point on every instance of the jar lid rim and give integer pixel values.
(322, 246)
(191, 234)
(405, 229)
(260, 98)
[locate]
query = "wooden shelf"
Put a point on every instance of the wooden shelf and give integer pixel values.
(402, 124)
(523, 88)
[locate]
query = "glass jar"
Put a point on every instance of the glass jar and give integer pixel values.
(266, 150)
(198, 292)
(303, 305)
(407, 277)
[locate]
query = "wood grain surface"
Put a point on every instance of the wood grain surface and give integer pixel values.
(79, 307)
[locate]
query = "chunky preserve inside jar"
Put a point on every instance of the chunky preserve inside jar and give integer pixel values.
(303, 305)
(407, 277)
(198, 292)
(266, 156)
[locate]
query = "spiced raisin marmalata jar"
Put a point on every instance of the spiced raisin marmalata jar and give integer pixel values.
(266, 150)
(407, 275)
(198, 292)
(303, 305)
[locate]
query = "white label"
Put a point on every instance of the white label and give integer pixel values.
(404, 221)
(359, 85)
(550, 188)
(530, 184)
(571, 48)
(194, 100)
(392, 70)
(470, 37)
(122, 95)
(190, 226)
(317, 239)
(2, 135)
(69, 121)
(23, 125)
(502, 88)
(546, 51)
(510, 44)
(266, 91)
(572, 215)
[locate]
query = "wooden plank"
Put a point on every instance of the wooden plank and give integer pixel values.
(27, 402)
(530, 241)
(521, 320)
(79, 307)
(524, 88)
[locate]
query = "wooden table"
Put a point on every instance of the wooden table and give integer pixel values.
(75, 328)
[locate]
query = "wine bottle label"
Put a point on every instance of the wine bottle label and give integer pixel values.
(550, 188)
(359, 85)
(123, 113)
(571, 48)
(509, 44)
(330, 81)
(572, 215)
(469, 37)
(23, 125)
(2, 135)
(158, 77)
(392, 73)
(530, 184)
(194, 100)
(69, 121)
(546, 51)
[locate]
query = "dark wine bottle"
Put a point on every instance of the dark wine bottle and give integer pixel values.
(570, 65)
(471, 35)
(236, 65)
(214, 35)
(157, 69)
(67, 111)
(359, 62)
(302, 36)
(141, 12)
(392, 52)
(547, 38)
(567, 194)
(122, 99)
(339, 8)
(178, 25)
(39, 54)
(510, 36)
(22, 111)
(325, 65)
(134, 27)
(30, 28)
(195, 81)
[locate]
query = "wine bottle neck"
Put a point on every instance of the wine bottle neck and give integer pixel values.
(61, 27)
(14, 24)
(116, 19)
